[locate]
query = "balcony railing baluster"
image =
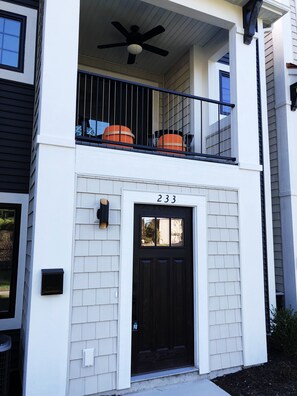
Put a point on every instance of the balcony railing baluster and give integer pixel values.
(106, 101)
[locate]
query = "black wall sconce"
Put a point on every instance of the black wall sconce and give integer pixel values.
(103, 213)
(293, 94)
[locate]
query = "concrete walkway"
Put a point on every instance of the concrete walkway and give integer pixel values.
(193, 388)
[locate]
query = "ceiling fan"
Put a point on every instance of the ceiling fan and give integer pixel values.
(135, 41)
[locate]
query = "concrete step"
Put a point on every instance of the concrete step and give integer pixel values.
(194, 388)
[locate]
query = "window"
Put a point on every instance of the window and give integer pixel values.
(225, 92)
(12, 37)
(9, 250)
(162, 231)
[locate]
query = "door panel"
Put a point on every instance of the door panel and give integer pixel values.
(162, 312)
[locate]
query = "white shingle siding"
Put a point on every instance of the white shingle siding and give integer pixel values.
(96, 272)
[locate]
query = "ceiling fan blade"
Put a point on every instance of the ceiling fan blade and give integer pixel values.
(153, 32)
(155, 50)
(131, 59)
(121, 28)
(111, 45)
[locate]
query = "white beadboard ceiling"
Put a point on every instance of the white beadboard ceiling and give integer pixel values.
(180, 33)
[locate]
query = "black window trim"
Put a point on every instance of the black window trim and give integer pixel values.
(10, 313)
(222, 111)
(23, 20)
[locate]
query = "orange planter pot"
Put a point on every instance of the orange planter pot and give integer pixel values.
(171, 142)
(118, 133)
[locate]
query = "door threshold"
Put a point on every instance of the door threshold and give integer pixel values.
(162, 374)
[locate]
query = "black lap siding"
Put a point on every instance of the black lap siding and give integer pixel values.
(16, 119)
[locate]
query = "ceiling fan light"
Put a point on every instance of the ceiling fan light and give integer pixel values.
(134, 49)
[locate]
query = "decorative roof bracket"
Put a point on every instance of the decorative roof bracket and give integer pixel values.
(250, 13)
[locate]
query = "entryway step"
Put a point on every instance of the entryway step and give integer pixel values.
(193, 388)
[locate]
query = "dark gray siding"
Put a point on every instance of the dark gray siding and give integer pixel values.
(32, 184)
(16, 119)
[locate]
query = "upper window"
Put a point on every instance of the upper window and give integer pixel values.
(12, 38)
(225, 92)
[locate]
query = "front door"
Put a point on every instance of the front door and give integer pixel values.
(162, 312)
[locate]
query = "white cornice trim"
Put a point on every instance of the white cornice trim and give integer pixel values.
(270, 12)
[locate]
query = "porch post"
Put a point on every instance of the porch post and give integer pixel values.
(47, 320)
(246, 135)
(243, 86)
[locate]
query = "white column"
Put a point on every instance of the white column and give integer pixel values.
(251, 271)
(287, 152)
(243, 86)
(47, 332)
(245, 135)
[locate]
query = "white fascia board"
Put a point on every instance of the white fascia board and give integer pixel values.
(272, 10)
(214, 12)
(125, 165)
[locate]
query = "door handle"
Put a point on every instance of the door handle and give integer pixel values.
(135, 326)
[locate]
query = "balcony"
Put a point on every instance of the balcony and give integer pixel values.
(122, 115)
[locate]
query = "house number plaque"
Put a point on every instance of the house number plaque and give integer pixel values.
(166, 198)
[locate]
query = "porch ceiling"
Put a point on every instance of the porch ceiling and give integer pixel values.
(180, 34)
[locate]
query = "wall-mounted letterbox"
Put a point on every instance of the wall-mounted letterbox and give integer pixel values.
(52, 281)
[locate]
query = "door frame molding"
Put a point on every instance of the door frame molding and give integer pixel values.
(201, 329)
(23, 200)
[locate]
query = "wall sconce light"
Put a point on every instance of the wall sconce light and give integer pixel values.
(103, 213)
(293, 94)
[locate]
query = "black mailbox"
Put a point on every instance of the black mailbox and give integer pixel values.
(52, 281)
(293, 94)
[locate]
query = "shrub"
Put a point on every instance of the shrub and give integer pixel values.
(284, 331)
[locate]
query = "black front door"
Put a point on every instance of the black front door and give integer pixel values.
(162, 312)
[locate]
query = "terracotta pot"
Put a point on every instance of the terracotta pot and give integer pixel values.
(118, 133)
(171, 142)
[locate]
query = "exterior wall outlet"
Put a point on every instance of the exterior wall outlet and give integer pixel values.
(88, 357)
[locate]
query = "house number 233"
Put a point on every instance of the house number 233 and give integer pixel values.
(166, 198)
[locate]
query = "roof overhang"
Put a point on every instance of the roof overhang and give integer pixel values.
(271, 10)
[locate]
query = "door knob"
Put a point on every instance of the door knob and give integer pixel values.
(135, 326)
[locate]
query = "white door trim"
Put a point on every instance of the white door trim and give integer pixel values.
(201, 335)
(23, 200)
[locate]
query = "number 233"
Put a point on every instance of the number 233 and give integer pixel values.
(166, 198)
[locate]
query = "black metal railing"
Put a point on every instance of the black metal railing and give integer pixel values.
(116, 113)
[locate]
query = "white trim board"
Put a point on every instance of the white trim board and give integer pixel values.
(22, 199)
(201, 335)
(27, 76)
